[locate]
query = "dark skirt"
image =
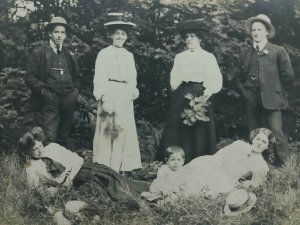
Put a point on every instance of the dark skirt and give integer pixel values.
(196, 140)
(104, 181)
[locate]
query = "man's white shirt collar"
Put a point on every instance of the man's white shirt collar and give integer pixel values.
(54, 46)
(261, 44)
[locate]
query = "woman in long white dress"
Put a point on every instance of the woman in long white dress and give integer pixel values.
(115, 142)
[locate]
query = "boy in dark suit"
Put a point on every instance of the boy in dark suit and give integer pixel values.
(51, 75)
(265, 70)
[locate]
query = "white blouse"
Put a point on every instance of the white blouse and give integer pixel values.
(116, 64)
(37, 170)
(197, 66)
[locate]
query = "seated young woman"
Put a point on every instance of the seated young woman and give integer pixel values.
(55, 165)
(237, 165)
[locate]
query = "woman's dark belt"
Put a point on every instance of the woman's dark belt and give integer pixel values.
(119, 81)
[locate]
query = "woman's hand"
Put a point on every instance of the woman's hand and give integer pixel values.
(52, 191)
(246, 184)
(108, 104)
(207, 95)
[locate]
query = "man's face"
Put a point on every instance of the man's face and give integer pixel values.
(58, 35)
(259, 32)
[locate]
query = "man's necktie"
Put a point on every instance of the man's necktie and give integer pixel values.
(58, 51)
(257, 48)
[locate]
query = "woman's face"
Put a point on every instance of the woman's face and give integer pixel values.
(260, 143)
(37, 150)
(118, 38)
(192, 41)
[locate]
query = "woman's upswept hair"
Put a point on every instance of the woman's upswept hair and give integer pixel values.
(267, 132)
(271, 156)
(112, 29)
(38, 133)
(174, 149)
(27, 141)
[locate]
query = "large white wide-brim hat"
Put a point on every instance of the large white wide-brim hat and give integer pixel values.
(118, 19)
(260, 18)
(239, 201)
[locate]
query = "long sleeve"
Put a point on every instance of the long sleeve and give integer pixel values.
(259, 170)
(176, 73)
(70, 160)
(101, 73)
(213, 80)
(133, 77)
(37, 172)
(31, 75)
(285, 67)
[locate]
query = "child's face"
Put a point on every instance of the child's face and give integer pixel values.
(175, 161)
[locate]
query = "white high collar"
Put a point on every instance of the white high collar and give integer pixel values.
(261, 44)
(54, 46)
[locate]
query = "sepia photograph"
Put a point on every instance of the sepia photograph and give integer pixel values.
(150, 112)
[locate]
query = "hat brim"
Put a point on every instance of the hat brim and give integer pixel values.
(60, 219)
(51, 25)
(248, 26)
(120, 23)
(251, 202)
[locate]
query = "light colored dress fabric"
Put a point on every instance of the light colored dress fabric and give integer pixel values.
(115, 85)
(221, 172)
(211, 175)
(197, 66)
(165, 182)
(37, 173)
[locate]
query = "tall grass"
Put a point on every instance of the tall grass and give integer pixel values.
(278, 203)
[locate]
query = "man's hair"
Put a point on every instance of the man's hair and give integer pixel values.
(174, 149)
(52, 27)
(266, 25)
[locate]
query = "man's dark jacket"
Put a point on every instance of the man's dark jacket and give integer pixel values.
(275, 71)
(38, 71)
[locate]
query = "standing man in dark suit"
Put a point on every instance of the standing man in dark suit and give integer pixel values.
(51, 75)
(265, 70)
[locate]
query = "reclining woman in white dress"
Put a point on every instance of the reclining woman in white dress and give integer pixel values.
(237, 165)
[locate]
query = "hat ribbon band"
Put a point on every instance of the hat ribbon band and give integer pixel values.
(240, 208)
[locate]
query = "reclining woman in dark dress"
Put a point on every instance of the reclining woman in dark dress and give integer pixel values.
(54, 164)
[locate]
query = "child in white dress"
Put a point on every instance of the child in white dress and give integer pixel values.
(167, 179)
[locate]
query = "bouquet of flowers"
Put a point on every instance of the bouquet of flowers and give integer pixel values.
(112, 129)
(197, 110)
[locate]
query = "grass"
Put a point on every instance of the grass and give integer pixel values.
(278, 202)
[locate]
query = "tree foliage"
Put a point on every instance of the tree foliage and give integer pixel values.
(154, 45)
